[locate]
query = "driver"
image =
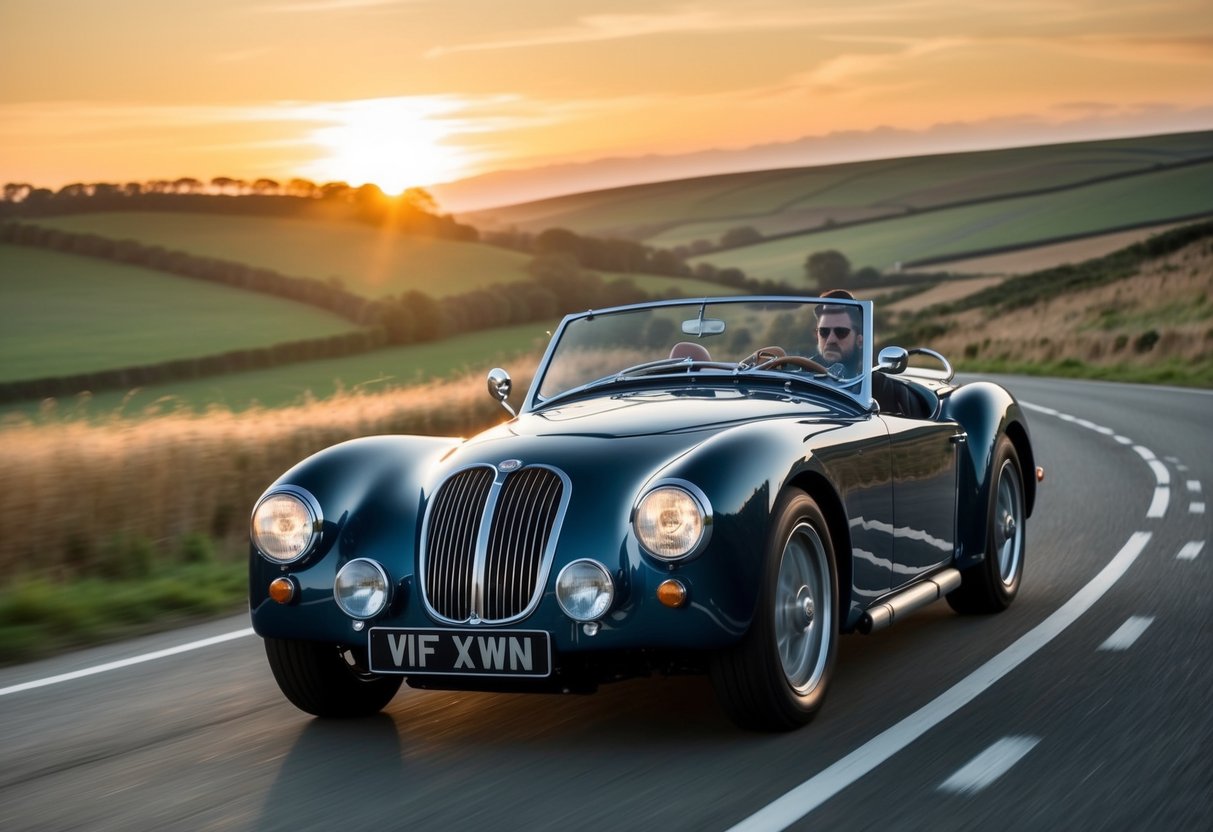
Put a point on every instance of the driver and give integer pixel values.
(840, 348)
(840, 336)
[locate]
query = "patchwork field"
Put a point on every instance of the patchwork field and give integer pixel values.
(953, 232)
(296, 384)
(65, 314)
(367, 261)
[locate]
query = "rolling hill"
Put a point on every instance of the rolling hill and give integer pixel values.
(778, 202)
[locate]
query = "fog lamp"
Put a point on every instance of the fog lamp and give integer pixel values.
(361, 588)
(584, 590)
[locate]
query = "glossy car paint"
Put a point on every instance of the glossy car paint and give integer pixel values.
(902, 497)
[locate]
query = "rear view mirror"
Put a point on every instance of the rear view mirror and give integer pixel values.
(703, 326)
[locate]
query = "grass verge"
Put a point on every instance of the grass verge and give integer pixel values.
(40, 617)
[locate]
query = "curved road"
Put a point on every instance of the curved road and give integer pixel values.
(1085, 705)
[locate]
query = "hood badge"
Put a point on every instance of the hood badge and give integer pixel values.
(509, 465)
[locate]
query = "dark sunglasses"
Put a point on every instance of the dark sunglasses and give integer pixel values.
(840, 332)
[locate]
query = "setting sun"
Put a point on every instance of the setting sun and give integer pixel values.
(396, 143)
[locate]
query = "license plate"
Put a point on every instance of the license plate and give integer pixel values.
(460, 652)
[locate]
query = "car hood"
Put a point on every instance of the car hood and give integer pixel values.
(659, 425)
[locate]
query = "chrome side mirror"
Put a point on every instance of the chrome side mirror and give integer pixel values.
(499, 384)
(892, 360)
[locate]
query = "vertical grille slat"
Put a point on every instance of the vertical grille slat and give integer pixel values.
(523, 515)
(451, 541)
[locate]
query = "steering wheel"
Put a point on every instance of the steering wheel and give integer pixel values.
(796, 361)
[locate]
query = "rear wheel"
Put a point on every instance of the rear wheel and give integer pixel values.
(326, 680)
(992, 585)
(776, 678)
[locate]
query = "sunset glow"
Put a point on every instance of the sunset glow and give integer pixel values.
(416, 92)
(394, 143)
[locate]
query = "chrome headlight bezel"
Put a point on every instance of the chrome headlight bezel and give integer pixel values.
(311, 525)
(606, 588)
(382, 585)
(690, 503)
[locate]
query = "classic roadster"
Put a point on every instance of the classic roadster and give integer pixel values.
(719, 486)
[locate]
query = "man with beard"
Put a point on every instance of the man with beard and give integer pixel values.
(840, 349)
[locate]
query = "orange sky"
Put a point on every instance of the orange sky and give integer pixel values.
(406, 92)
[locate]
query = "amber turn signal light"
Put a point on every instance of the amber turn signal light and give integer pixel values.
(282, 590)
(1040, 474)
(672, 593)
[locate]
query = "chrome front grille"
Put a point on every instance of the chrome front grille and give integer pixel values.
(488, 542)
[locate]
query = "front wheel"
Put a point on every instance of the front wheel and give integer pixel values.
(325, 680)
(992, 585)
(776, 678)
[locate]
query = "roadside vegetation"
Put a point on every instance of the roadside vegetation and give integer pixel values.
(111, 525)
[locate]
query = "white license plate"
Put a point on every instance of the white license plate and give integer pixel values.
(448, 652)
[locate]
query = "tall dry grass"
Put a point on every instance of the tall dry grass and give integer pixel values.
(75, 493)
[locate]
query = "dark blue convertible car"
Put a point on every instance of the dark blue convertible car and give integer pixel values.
(721, 486)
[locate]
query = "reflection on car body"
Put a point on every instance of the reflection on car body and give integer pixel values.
(684, 488)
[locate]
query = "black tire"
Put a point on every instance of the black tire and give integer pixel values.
(760, 685)
(992, 585)
(322, 679)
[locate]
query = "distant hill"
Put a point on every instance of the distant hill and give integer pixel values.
(697, 212)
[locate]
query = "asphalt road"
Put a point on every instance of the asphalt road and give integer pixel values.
(1085, 706)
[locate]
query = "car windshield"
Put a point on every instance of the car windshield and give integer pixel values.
(827, 342)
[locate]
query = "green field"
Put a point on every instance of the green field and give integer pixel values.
(64, 314)
(779, 201)
(295, 383)
(367, 261)
(954, 231)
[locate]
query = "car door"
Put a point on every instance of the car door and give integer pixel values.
(924, 457)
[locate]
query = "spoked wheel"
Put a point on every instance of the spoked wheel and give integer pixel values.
(776, 678)
(327, 680)
(992, 585)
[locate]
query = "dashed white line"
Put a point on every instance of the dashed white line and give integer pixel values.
(1194, 486)
(1124, 440)
(1191, 550)
(1158, 506)
(146, 657)
(1160, 472)
(989, 765)
(810, 794)
(1196, 508)
(1127, 633)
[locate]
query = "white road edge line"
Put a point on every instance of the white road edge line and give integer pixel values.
(1191, 550)
(146, 657)
(989, 765)
(1126, 634)
(810, 794)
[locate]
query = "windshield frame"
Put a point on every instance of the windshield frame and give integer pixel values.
(859, 393)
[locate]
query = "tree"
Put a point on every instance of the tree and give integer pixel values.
(742, 236)
(827, 269)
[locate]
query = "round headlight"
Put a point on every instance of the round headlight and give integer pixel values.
(584, 590)
(361, 588)
(286, 525)
(671, 522)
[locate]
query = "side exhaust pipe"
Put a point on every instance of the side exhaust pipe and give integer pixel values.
(898, 606)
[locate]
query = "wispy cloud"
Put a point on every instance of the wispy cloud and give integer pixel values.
(685, 20)
(321, 6)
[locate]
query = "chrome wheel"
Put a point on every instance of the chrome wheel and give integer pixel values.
(803, 609)
(1008, 523)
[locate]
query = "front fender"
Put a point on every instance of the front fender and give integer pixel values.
(370, 493)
